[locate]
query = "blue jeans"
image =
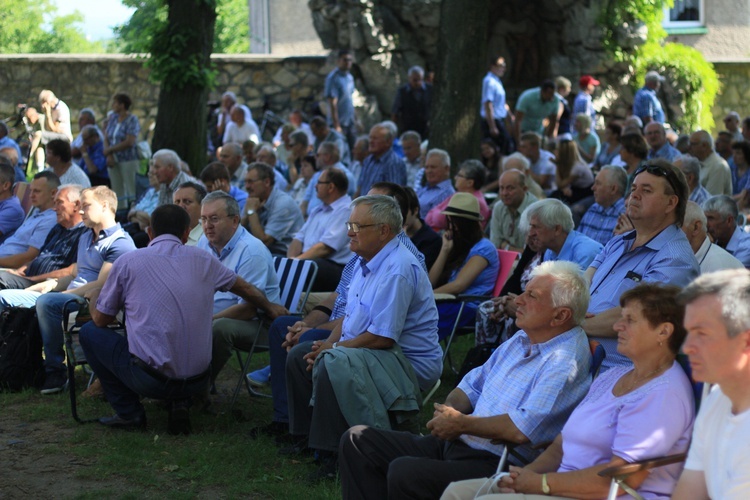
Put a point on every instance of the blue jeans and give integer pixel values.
(276, 336)
(49, 310)
(123, 381)
(49, 307)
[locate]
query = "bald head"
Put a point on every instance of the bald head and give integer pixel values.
(512, 188)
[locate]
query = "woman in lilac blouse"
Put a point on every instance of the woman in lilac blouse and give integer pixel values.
(120, 137)
(630, 413)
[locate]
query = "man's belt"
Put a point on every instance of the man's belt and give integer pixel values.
(163, 378)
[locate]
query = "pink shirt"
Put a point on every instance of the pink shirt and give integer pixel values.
(437, 221)
(167, 292)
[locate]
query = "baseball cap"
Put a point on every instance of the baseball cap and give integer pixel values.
(587, 80)
(653, 75)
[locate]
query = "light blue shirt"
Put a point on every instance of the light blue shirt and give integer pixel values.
(281, 219)
(666, 152)
(388, 168)
(494, 92)
(340, 85)
(249, 258)
(311, 196)
(431, 196)
(739, 246)
(598, 223)
(667, 258)
(536, 385)
(238, 194)
(577, 248)
(647, 105)
(92, 254)
(11, 217)
(32, 233)
(391, 296)
(8, 142)
(484, 283)
(327, 225)
(583, 103)
(699, 195)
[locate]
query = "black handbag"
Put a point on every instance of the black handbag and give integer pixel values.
(20, 350)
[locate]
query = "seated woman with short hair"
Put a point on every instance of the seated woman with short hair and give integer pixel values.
(630, 413)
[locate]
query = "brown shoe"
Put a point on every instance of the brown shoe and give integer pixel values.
(94, 391)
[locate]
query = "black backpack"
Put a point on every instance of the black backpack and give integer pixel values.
(20, 349)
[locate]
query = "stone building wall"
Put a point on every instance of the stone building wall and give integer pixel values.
(735, 90)
(90, 81)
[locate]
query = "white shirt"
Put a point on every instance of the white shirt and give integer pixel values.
(720, 448)
(235, 133)
(712, 257)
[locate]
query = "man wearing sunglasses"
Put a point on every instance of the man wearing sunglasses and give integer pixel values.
(655, 251)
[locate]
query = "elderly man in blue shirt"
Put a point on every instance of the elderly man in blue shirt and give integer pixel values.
(386, 350)
(550, 222)
(523, 394)
(646, 105)
(437, 186)
(600, 220)
(656, 250)
(721, 221)
(659, 146)
(383, 164)
(248, 257)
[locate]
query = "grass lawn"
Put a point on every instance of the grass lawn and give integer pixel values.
(218, 460)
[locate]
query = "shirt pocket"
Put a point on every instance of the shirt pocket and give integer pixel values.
(357, 319)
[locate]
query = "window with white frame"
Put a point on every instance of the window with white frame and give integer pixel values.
(684, 14)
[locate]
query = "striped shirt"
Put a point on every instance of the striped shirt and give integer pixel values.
(536, 385)
(59, 250)
(598, 223)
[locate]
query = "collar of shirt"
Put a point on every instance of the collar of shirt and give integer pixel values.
(657, 242)
(230, 244)
(104, 233)
(616, 208)
(442, 185)
(734, 242)
(374, 264)
(551, 344)
(167, 239)
(386, 157)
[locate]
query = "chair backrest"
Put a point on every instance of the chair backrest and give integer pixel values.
(507, 258)
(23, 193)
(597, 357)
(296, 278)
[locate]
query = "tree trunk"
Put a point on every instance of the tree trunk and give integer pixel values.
(462, 54)
(181, 115)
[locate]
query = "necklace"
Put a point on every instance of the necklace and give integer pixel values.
(636, 380)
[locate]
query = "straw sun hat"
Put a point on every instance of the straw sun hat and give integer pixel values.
(463, 205)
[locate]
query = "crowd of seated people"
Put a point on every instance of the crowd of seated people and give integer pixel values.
(614, 254)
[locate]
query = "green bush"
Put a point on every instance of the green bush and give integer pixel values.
(687, 70)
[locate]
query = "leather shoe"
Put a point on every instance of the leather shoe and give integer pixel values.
(117, 422)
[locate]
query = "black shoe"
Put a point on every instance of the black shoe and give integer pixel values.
(117, 422)
(179, 418)
(327, 470)
(274, 429)
(54, 382)
(297, 447)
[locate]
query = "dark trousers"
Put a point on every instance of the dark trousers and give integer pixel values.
(504, 141)
(123, 380)
(323, 423)
(329, 275)
(278, 354)
(376, 464)
(9, 281)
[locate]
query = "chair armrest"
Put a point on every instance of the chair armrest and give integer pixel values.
(647, 464)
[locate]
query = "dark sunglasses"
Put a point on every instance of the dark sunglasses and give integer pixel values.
(660, 171)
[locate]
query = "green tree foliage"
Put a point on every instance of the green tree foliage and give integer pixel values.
(136, 36)
(33, 26)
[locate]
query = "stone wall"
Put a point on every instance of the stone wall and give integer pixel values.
(735, 91)
(90, 81)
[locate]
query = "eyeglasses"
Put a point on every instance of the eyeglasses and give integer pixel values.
(659, 171)
(213, 220)
(325, 182)
(356, 227)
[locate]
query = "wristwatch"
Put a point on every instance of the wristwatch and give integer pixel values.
(545, 486)
(250, 212)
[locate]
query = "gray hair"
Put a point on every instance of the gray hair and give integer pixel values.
(392, 127)
(73, 191)
(169, 158)
(389, 132)
(230, 94)
(584, 120)
(618, 176)
(518, 157)
(89, 131)
(732, 288)
(635, 121)
(705, 138)
(383, 210)
(88, 112)
(722, 204)
(691, 165)
(475, 172)
(694, 213)
(411, 136)
(331, 148)
(230, 204)
(264, 146)
(550, 213)
(416, 70)
(445, 158)
(569, 287)
(300, 137)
